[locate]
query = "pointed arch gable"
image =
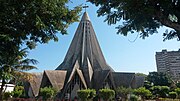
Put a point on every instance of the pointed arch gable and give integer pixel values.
(55, 78)
(35, 83)
(79, 72)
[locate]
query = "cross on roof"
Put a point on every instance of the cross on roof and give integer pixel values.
(85, 6)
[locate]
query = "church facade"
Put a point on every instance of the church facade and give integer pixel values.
(84, 66)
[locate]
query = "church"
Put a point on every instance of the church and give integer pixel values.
(84, 66)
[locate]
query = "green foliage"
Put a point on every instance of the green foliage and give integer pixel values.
(177, 90)
(19, 88)
(47, 92)
(141, 74)
(92, 93)
(156, 90)
(18, 91)
(7, 95)
(159, 79)
(164, 91)
(83, 94)
(150, 15)
(143, 92)
(86, 94)
(133, 97)
(13, 58)
(148, 84)
(160, 91)
(172, 95)
(34, 21)
(13, 63)
(123, 91)
(26, 23)
(178, 84)
(107, 94)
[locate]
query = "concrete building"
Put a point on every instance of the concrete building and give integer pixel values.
(84, 66)
(169, 62)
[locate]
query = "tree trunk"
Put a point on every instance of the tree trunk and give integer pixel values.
(1, 89)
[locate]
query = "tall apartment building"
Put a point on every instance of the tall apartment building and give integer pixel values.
(169, 62)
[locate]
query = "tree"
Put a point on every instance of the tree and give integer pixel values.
(28, 22)
(143, 16)
(13, 63)
(159, 79)
(123, 92)
(107, 94)
(31, 21)
(141, 74)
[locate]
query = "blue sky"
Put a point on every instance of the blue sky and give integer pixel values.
(120, 52)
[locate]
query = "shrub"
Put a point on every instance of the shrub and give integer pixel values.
(92, 93)
(47, 92)
(160, 91)
(177, 90)
(7, 95)
(19, 88)
(133, 98)
(86, 94)
(164, 91)
(143, 92)
(107, 94)
(17, 93)
(123, 92)
(83, 94)
(172, 95)
(178, 84)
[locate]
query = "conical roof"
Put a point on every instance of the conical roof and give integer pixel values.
(85, 49)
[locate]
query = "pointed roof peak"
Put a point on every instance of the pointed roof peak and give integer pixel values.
(85, 17)
(84, 45)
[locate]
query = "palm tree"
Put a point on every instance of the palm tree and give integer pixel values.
(13, 62)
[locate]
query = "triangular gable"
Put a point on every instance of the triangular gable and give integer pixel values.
(35, 83)
(76, 66)
(79, 72)
(74, 71)
(123, 79)
(138, 81)
(56, 78)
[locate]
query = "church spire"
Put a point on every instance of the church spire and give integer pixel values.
(85, 17)
(84, 46)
